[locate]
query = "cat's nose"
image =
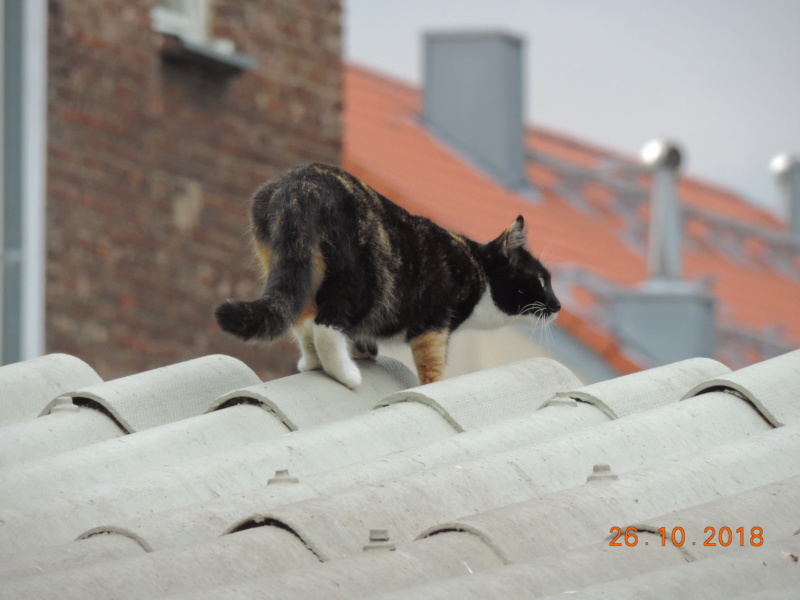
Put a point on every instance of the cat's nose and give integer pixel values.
(555, 305)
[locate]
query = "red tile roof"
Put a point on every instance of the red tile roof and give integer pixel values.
(386, 145)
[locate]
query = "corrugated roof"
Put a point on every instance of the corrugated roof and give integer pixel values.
(590, 223)
(502, 483)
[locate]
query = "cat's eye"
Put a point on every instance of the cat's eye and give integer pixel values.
(541, 281)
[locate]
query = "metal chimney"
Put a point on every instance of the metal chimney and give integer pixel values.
(666, 319)
(473, 100)
(786, 169)
(663, 158)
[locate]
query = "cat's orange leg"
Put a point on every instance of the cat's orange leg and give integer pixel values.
(430, 352)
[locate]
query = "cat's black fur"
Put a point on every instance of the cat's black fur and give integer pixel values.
(337, 251)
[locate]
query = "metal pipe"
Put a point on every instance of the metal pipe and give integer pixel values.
(664, 262)
(786, 169)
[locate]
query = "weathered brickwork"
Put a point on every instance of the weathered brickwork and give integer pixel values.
(151, 164)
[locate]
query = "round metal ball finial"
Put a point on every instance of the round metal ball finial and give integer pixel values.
(661, 153)
(782, 164)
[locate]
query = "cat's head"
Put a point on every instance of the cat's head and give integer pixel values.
(518, 281)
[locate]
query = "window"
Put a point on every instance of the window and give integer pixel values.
(187, 19)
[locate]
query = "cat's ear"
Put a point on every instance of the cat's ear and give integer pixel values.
(513, 237)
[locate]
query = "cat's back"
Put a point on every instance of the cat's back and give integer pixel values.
(316, 191)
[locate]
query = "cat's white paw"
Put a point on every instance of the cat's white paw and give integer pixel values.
(349, 375)
(309, 359)
(334, 353)
(309, 362)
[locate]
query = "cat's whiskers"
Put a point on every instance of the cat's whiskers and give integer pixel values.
(528, 307)
(543, 328)
(543, 322)
(550, 321)
(537, 311)
(548, 333)
(523, 311)
(534, 329)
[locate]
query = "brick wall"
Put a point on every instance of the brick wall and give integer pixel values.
(151, 164)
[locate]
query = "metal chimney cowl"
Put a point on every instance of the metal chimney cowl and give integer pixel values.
(786, 169)
(473, 100)
(667, 318)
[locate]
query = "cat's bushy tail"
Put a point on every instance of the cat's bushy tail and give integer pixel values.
(265, 318)
(290, 270)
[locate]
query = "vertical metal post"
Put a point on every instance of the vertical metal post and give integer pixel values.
(32, 339)
(24, 77)
(3, 54)
(786, 169)
(664, 261)
(12, 170)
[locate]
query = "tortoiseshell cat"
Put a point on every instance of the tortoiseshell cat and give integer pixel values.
(346, 267)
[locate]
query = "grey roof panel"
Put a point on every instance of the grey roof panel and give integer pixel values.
(97, 549)
(316, 398)
(362, 574)
(202, 521)
(124, 458)
(247, 553)
(773, 507)
(60, 431)
(560, 572)
(332, 524)
(312, 398)
(768, 385)
(58, 518)
(647, 389)
(727, 575)
(455, 553)
(783, 593)
(27, 387)
(491, 395)
(166, 394)
(542, 525)
(189, 505)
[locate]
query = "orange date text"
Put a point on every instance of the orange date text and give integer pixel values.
(724, 536)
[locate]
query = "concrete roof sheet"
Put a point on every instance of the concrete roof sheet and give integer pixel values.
(197, 501)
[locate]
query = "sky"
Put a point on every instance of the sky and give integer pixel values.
(720, 77)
